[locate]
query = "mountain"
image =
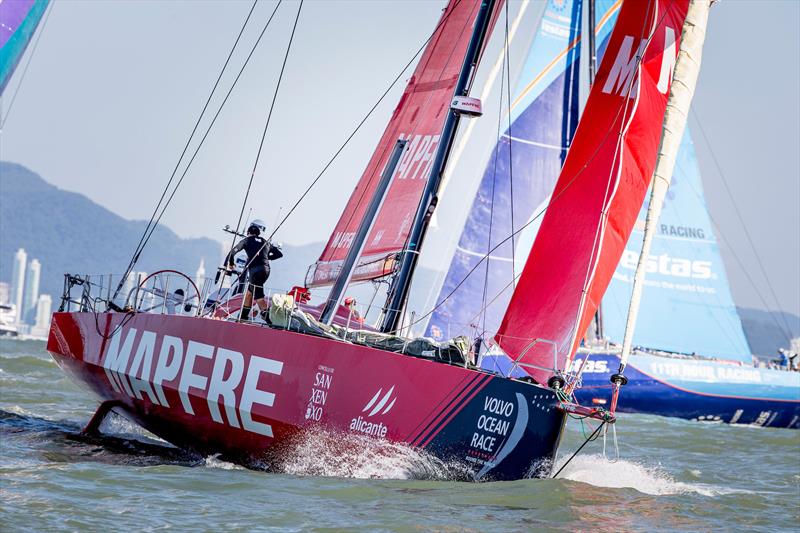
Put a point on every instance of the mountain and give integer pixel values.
(67, 232)
(763, 333)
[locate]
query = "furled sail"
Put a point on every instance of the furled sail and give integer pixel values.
(418, 118)
(544, 115)
(599, 192)
(18, 22)
(686, 278)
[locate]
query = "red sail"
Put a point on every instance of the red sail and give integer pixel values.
(418, 117)
(600, 190)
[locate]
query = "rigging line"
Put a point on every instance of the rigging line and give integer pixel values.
(137, 251)
(510, 143)
(587, 441)
(749, 278)
(533, 219)
(739, 216)
(27, 64)
(404, 249)
(269, 116)
(695, 298)
(205, 135)
(619, 154)
(358, 126)
(422, 112)
(491, 202)
(623, 109)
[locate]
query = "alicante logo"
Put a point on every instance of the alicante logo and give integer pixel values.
(379, 405)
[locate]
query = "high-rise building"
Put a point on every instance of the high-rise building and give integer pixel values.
(43, 313)
(200, 275)
(18, 281)
(129, 287)
(5, 292)
(31, 293)
(44, 307)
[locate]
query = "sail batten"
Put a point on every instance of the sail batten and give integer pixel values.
(598, 193)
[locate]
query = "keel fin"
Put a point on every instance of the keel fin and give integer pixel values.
(92, 428)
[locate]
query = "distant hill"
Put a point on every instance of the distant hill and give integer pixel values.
(67, 232)
(762, 332)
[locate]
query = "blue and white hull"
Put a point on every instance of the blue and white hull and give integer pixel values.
(694, 389)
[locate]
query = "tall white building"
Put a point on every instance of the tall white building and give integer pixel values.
(41, 327)
(200, 275)
(31, 293)
(5, 292)
(18, 281)
(44, 307)
(131, 282)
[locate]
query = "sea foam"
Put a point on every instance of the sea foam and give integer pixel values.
(600, 471)
(332, 454)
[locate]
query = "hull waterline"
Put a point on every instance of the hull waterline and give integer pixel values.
(253, 394)
(698, 390)
(693, 389)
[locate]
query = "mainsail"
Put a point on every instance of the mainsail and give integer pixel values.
(418, 118)
(599, 192)
(544, 115)
(686, 278)
(18, 22)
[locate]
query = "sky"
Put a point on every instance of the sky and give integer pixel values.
(114, 88)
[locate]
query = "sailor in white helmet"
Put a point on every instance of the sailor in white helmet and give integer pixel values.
(259, 253)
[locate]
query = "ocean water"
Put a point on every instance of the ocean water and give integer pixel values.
(671, 475)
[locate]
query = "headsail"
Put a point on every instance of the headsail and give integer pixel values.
(543, 119)
(18, 22)
(599, 192)
(418, 118)
(686, 278)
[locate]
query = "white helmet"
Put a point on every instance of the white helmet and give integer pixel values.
(257, 224)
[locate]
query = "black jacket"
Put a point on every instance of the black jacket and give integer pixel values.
(259, 252)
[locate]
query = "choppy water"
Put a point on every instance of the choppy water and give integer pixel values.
(672, 475)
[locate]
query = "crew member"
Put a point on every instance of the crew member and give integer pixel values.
(259, 253)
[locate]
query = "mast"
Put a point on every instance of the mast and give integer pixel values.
(398, 292)
(592, 43)
(349, 265)
(684, 80)
(598, 316)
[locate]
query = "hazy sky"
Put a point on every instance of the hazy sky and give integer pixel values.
(115, 86)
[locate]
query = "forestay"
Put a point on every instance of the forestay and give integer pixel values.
(599, 192)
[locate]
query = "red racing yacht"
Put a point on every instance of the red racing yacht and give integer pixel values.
(184, 364)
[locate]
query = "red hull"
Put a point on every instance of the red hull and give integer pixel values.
(248, 392)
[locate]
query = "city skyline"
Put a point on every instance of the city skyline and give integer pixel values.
(32, 310)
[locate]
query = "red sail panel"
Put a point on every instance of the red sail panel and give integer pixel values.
(419, 117)
(599, 192)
